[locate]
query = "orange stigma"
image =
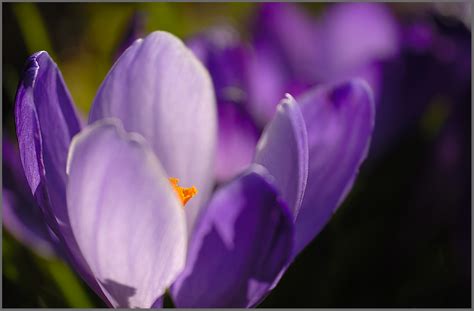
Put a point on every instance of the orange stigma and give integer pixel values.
(184, 194)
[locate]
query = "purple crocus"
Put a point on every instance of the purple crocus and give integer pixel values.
(289, 52)
(104, 188)
(348, 40)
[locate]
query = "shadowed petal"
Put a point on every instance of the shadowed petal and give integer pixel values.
(237, 139)
(45, 123)
(242, 240)
(21, 215)
(125, 216)
(283, 151)
(339, 121)
(226, 58)
(159, 89)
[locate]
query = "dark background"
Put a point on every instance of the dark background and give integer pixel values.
(401, 239)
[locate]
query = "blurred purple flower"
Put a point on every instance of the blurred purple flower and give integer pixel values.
(104, 191)
(348, 41)
(290, 53)
(409, 64)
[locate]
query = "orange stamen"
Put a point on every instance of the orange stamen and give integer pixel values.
(184, 194)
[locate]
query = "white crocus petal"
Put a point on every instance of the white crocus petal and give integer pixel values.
(124, 214)
(159, 89)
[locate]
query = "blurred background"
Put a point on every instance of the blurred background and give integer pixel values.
(402, 238)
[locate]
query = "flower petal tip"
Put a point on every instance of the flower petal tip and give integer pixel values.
(32, 66)
(114, 124)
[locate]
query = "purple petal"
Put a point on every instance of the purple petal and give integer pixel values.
(283, 151)
(158, 304)
(21, 215)
(237, 139)
(240, 244)
(267, 82)
(213, 41)
(286, 57)
(292, 33)
(159, 89)
(46, 121)
(226, 57)
(125, 215)
(354, 34)
(372, 73)
(339, 121)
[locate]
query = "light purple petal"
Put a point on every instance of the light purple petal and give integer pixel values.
(21, 215)
(266, 84)
(46, 121)
(354, 34)
(242, 240)
(159, 89)
(283, 151)
(339, 121)
(237, 139)
(125, 215)
(293, 34)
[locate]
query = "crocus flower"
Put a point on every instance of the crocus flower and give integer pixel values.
(348, 40)
(110, 190)
(21, 216)
(289, 52)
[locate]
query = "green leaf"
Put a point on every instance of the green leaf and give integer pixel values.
(33, 28)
